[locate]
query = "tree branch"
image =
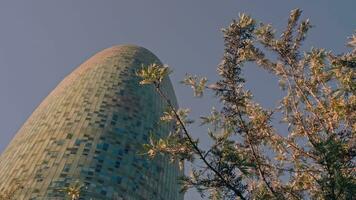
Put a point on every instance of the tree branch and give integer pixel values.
(195, 147)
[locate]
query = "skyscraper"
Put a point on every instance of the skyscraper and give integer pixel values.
(90, 129)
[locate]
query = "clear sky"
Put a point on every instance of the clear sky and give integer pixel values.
(41, 41)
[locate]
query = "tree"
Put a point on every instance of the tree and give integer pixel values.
(249, 158)
(11, 192)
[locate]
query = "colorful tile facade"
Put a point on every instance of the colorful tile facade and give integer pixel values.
(90, 130)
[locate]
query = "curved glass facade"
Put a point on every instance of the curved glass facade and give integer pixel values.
(90, 129)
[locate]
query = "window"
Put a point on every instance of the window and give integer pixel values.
(69, 136)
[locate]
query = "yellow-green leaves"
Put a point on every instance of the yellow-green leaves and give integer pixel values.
(197, 84)
(11, 192)
(245, 20)
(213, 118)
(316, 58)
(319, 73)
(294, 15)
(317, 111)
(155, 147)
(303, 29)
(153, 74)
(352, 41)
(74, 190)
(182, 115)
(265, 33)
(173, 145)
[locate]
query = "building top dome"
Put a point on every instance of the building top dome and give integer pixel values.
(90, 129)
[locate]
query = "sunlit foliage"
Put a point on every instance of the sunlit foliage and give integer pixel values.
(249, 158)
(73, 191)
(11, 192)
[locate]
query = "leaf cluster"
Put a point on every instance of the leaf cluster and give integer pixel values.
(249, 158)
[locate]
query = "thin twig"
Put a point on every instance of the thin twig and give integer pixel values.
(196, 148)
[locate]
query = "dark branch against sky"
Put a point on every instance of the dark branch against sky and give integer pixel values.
(41, 41)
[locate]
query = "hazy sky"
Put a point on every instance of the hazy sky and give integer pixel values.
(41, 41)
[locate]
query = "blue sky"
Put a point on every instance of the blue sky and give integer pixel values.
(41, 41)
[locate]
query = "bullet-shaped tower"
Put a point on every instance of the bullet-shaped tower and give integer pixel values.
(89, 131)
